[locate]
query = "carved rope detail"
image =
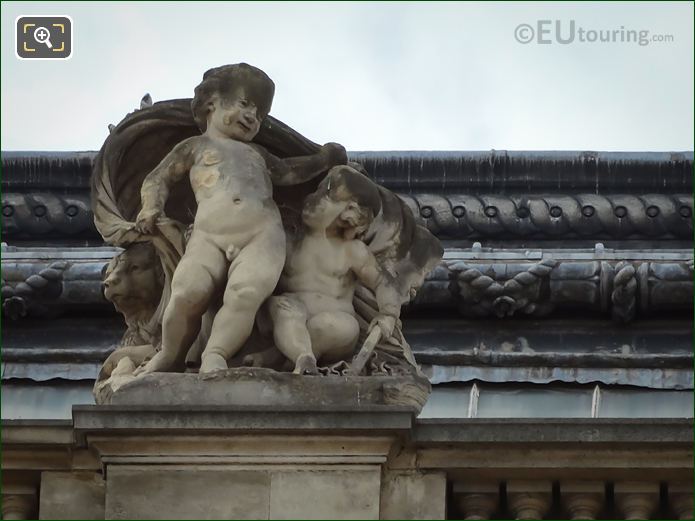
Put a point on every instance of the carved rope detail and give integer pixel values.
(455, 215)
(38, 214)
(624, 292)
(482, 295)
(47, 283)
(583, 215)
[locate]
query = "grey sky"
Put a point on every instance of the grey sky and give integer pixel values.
(372, 76)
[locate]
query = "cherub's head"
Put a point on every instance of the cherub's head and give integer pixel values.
(234, 99)
(424, 253)
(346, 201)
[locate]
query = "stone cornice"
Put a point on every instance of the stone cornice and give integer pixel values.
(495, 171)
(457, 195)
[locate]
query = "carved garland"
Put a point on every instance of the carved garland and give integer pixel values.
(46, 283)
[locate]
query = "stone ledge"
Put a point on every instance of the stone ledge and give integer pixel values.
(544, 430)
(138, 419)
(256, 386)
(36, 432)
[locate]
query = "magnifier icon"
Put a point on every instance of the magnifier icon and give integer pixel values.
(43, 35)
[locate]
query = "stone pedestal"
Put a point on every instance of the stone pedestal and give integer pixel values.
(255, 386)
(222, 462)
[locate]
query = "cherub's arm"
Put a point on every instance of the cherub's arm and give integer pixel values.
(296, 170)
(380, 282)
(155, 188)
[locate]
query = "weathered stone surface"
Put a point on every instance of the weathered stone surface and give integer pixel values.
(586, 277)
(413, 495)
(265, 387)
(496, 171)
(72, 495)
(90, 419)
(18, 506)
(452, 214)
(168, 463)
(347, 493)
(230, 492)
(604, 281)
(285, 269)
(213, 462)
(583, 430)
(475, 498)
(186, 492)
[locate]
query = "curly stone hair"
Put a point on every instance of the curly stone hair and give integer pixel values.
(363, 191)
(225, 81)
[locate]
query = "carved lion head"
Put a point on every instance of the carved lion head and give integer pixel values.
(133, 280)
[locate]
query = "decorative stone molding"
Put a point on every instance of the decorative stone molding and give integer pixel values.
(680, 499)
(491, 171)
(636, 500)
(623, 284)
(46, 284)
(547, 172)
(529, 499)
(34, 171)
(503, 283)
(594, 216)
(406, 462)
(19, 506)
(529, 505)
(482, 295)
(37, 215)
(49, 281)
(452, 216)
(476, 500)
(624, 291)
(582, 499)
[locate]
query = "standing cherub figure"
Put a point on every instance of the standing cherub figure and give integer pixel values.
(237, 241)
(314, 318)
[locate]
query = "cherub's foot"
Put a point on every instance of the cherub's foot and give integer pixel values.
(125, 366)
(306, 364)
(212, 362)
(158, 364)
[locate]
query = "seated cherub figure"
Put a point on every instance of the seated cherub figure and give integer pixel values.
(237, 243)
(314, 319)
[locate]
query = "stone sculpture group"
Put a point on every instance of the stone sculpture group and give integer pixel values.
(247, 245)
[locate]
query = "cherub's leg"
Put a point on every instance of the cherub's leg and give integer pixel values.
(196, 349)
(252, 278)
(199, 273)
(333, 335)
(290, 332)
